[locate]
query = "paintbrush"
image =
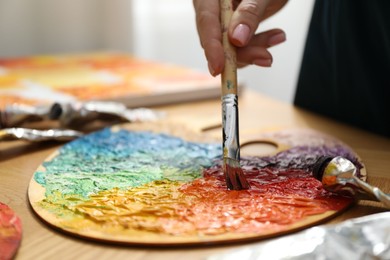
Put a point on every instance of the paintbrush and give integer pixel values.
(340, 175)
(235, 178)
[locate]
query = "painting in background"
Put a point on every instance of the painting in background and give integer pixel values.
(100, 76)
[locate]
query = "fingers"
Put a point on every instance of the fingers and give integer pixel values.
(252, 49)
(247, 16)
(245, 21)
(256, 52)
(254, 55)
(209, 30)
(215, 56)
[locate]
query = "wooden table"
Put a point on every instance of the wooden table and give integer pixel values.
(18, 161)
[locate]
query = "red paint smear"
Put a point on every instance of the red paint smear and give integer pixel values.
(10, 232)
(276, 199)
(286, 182)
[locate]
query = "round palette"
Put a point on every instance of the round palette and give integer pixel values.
(162, 185)
(10, 232)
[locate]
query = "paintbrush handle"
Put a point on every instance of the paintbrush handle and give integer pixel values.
(230, 134)
(229, 74)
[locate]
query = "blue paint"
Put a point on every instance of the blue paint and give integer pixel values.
(106, 159)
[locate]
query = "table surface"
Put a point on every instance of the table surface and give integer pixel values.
(19, 160)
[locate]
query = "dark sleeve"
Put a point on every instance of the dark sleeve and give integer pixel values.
(345, 71)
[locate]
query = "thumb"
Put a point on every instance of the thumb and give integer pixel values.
(245, 21)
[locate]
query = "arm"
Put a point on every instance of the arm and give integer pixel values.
(252, 48)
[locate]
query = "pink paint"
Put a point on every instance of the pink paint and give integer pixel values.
(10, 232)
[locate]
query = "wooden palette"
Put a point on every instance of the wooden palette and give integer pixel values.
(161, 185)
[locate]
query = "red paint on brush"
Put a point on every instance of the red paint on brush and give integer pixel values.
(235, 178)
(10, 232)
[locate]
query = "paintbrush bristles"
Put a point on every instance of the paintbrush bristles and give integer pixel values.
(235, 178)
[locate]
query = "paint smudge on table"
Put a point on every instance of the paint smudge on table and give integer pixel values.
(10, 232)
(118, 181)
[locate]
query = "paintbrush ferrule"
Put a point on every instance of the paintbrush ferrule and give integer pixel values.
(231, 142)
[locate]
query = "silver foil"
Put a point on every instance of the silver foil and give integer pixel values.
(361, 238)
(35, 135)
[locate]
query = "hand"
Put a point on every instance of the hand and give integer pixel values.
(251, 47)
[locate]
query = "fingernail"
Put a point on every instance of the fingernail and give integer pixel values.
(263, 62)
(276, 39)
(241, 34)
(211, 70)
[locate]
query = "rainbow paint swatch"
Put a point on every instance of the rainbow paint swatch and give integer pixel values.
(131, 184)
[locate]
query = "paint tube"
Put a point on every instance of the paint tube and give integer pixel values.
(75, 114)
(18, 114)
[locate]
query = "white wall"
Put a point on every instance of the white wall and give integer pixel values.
(162, 30)
(16, 27)
(58, 26)
(165, 30)
(280, 80)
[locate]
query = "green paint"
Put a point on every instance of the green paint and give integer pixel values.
(105, 160)
(230, 84)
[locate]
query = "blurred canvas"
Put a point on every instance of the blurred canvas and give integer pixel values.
(101, 76)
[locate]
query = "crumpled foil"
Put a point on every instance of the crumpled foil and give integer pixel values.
(361, 238)
(35, 135)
